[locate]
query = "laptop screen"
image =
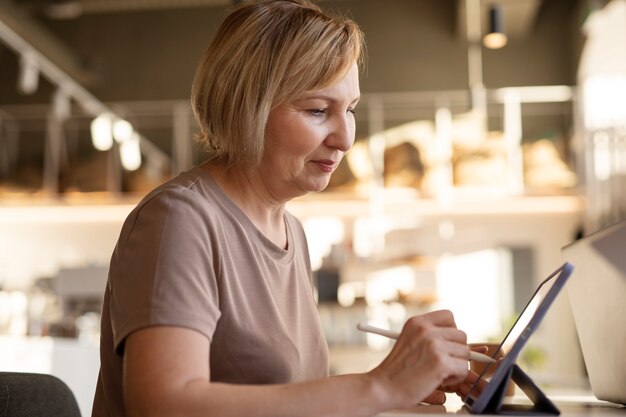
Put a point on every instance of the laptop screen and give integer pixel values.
(596, 294)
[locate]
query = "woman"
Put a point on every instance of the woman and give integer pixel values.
(209, 307)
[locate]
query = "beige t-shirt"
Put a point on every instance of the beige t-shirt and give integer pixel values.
(188, 256)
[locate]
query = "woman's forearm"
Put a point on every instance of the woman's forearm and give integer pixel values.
(356, 395)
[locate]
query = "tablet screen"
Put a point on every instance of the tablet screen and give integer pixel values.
(527, 314)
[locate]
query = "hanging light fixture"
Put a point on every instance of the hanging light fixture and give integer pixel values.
(122, 130)
(495, 38)
(102, 132)
(130, 152)
(28, 79)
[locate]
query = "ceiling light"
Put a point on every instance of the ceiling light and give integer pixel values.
(122, 130)
(496, 38)
(102, 132)
(130, 153)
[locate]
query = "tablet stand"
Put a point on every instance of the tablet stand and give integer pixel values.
(540, 403)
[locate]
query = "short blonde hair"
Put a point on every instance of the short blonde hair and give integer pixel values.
(265, 54)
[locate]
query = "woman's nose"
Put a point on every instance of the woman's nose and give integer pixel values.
(342, 135)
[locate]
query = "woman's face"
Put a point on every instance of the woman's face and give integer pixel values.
(306, 139)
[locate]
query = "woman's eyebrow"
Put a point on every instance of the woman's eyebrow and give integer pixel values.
(325, 97)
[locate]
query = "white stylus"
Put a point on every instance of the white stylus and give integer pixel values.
(473, 356)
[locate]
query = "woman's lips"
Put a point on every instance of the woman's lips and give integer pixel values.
(326, 165)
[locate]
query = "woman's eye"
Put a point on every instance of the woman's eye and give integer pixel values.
(317, 112)
(352, 110)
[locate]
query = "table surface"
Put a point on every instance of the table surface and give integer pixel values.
(570, 405)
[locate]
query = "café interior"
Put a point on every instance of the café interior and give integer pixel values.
(490, 134)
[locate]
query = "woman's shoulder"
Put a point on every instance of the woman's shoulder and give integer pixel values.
(189, 192)
(193, 181)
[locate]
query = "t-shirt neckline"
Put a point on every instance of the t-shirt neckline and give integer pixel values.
(231, 207)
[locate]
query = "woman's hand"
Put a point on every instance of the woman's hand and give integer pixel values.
(430, 352)
(471, 382)
(462, 389)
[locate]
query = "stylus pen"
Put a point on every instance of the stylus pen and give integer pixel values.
(473, 356)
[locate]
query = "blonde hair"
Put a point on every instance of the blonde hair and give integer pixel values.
(265, 54)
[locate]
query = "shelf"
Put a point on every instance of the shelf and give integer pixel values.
(342, 205)
(392, 203)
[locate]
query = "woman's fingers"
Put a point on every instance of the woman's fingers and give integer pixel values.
(440, 318)
(441, 321)
(475, 381)
(450, 341)
(472, 382)
(479, 348)
(429, 352)
(440, 339)
(437, 397)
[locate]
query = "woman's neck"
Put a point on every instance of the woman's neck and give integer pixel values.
(251, 194)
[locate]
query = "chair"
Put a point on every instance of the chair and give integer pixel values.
(35, 395)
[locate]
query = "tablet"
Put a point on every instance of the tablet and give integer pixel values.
(489, 400)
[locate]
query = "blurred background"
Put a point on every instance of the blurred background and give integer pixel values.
(490, 134)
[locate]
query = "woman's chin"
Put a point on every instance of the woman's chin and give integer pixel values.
(312, 184)
(320, 186)
(313, 188)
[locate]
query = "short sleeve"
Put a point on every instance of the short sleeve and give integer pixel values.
(163, 270)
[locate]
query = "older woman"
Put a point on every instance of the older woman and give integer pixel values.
(209, 307)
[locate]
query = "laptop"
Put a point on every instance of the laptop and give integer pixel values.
(597, 293)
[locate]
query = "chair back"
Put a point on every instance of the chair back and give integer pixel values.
(35, 395)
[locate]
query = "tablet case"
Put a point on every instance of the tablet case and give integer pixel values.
(541, 404)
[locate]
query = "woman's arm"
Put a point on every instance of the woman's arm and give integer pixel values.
(166, 373)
